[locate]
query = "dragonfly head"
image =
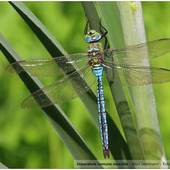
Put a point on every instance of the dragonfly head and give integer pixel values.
(92, 36)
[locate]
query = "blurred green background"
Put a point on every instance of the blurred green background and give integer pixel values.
(27, 139)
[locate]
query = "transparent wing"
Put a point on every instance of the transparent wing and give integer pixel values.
(63, 90)
(137, 75)
(49, 67)
(136, 53)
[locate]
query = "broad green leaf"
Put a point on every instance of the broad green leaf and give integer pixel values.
(143, 97)
(111, 17)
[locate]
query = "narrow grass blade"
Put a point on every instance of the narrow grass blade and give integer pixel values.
(54, 48)
(64, 128)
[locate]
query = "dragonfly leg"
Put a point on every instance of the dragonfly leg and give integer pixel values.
(86, 28)
(104, 34)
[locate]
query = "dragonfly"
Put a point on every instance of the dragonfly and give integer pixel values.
(82, 70)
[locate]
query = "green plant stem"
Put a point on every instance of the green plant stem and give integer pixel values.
(116, 147)
(143, 97)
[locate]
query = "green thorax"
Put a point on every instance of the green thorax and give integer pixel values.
(94, 48)
(95, 54)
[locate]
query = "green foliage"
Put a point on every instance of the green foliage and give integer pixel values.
(27, 139)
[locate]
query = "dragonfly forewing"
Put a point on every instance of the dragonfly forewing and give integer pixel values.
(134, 54)
(50, 67)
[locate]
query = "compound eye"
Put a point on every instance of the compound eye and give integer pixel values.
(91, 32)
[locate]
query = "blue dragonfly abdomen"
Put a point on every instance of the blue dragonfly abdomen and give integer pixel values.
(98, 71)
